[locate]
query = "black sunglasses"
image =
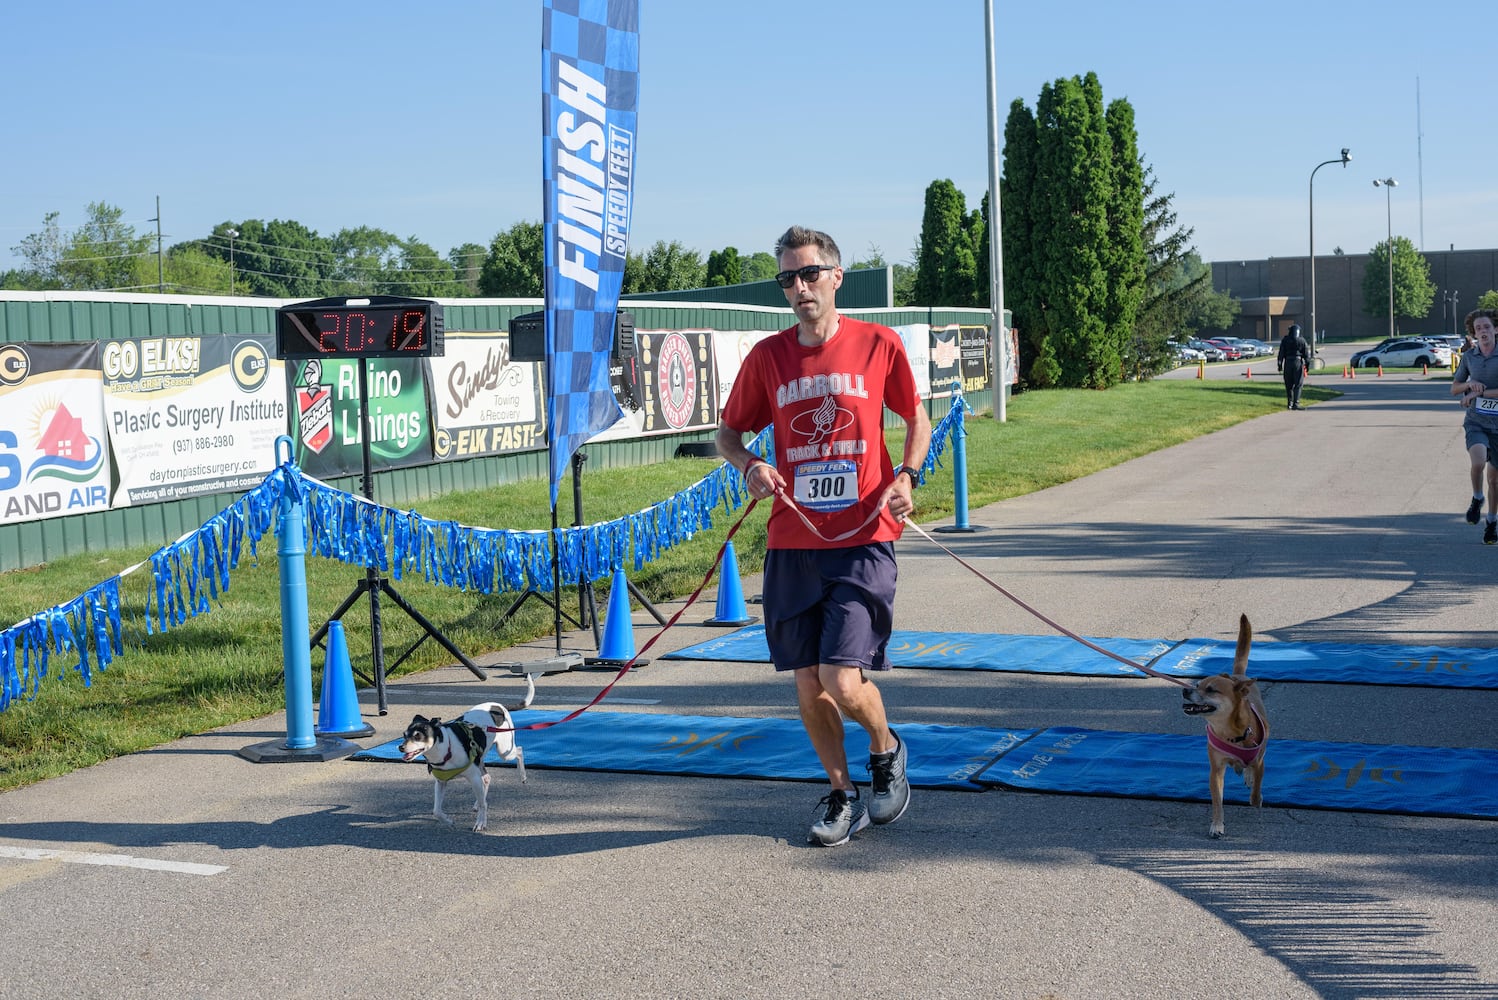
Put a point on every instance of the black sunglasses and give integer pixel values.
(809, 274)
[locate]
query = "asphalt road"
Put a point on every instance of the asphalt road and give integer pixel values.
(1339, 523)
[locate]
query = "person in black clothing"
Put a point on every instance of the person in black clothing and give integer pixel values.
(1294, 359)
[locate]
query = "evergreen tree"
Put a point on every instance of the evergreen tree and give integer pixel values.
(724, 268)
(946, 264)
(1074, 257)
(1075, 162)
(1019, 189)
(1125, 259)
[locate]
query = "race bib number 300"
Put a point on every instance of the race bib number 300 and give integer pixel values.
(826, 486)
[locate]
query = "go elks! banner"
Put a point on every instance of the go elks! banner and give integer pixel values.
(590, 71)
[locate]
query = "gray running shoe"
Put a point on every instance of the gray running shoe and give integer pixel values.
(1474, 510)
(842, 818)
(891, 790)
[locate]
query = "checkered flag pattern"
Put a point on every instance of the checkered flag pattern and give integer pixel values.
(590, 97)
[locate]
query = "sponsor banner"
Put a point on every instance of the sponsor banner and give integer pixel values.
(676, 374)
(590, 69)
(325, 408)
(729, 351)
(54, 458)
(191, 416)
(483, 403)
(946, 359)
(977, 373)
(917, 340)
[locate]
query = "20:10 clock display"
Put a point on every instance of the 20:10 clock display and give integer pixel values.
(379, 326)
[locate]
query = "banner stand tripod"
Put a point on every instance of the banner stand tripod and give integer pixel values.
(375, 584)
(587, 607)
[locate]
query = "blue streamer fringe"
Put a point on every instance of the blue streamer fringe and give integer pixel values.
(189, 575)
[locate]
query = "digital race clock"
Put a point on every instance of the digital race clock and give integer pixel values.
(379, 326)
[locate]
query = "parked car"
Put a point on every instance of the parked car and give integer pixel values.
(1407, 353)
(1249, 348)
(1229, 350)
(1209, 351)
(1356, 361)
(1262, 349)
(1186, 355)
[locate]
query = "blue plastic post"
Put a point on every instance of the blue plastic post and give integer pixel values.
(959, 459)
(296, 655)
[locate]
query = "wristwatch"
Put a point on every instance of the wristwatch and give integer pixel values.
(915, 480)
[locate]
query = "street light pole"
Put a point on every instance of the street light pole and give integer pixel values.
(1312, 260)
(1387, 183)
(995, 236)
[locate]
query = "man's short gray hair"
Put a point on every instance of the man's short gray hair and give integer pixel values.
(799, 236)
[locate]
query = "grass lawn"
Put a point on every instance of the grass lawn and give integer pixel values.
(225, 666)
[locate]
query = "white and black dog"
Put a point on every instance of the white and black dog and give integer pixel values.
(456, 749)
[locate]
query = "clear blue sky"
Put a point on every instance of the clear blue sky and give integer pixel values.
(424, 119)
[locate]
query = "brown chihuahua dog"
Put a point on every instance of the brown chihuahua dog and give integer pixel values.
(1237, 725)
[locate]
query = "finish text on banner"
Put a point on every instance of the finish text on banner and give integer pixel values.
(590, 97)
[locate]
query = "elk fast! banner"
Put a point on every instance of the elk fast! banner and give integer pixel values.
(589, 99)
(191, 416)
(484, 403)
(54, 458)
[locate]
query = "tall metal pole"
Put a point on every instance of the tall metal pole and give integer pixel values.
(1387, 183)
(1312, 261)
(995, 233)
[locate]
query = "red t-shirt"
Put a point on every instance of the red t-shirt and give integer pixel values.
(827, 404)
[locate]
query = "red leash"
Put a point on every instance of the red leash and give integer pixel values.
(717, 561)
(980, 575)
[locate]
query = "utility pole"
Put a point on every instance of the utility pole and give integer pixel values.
(160, 272)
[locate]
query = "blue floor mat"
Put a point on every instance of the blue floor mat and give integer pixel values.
(728, 747)
(1358, 777)
(1308, 662)
(1338, 663)
(1030, 654)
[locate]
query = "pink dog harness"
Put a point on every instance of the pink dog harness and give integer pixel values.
(1246, 754)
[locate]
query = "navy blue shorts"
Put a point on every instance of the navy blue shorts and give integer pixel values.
(832, 606)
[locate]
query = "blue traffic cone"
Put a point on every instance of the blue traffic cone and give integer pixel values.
(731, 610)
(618, 646)
(338, 712)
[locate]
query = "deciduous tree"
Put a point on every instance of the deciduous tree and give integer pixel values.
(1413, 290)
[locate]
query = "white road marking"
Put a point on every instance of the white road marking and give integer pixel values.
(112, 860)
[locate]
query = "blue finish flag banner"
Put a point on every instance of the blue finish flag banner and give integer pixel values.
(590, 72)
